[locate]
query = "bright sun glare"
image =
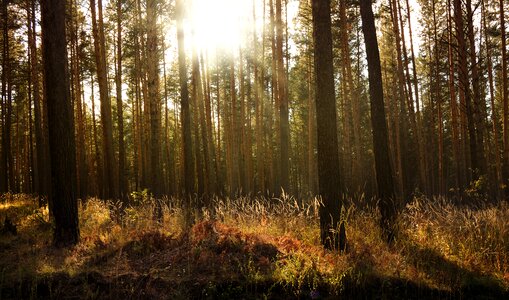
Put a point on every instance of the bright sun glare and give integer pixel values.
(219, 24)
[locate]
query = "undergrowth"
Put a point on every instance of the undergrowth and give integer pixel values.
(255, 248)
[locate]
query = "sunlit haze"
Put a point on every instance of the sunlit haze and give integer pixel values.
(218, 24)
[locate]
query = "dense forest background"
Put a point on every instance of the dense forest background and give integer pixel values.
(251, 102)
(254, 149)
(252, 121)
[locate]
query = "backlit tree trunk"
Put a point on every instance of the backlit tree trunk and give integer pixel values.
(61, 124)
(110, 187)
(184, 103)
(328, 155)
(122, 180)
(384, 179)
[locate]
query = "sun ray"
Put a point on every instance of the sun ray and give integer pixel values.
(218, 24)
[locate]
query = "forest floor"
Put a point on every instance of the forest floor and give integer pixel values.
(255, 249)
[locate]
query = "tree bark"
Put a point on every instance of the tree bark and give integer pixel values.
(505, 100)
(385, 184)
(61, 124)
(122, 180)
(328, 155)
(110, 188)
(283, 104)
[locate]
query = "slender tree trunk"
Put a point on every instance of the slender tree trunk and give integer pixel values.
(42, 179)
(4, 165)
(453, 104)
(81, 163)
(234, 133)
(311, 124)
(31, 168)
(209, 139)
(283, 103)
(405, 175)
(199, 101)
(98, 162)
(274, 179)
(220, 173)
(258, 95)
(346, 99)
(139, 164)
(247, 134)
(196, 98)
(494, 115)
(168, 162)
(384, 178)
(465, 86)
(414, 113)
(478, 105)
(107, 127)
(184, 103)
(505, 100)
(122, 180)
(437, 96)
(241, 136)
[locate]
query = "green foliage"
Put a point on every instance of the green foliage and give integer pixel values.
(140, 197)
(477, 189)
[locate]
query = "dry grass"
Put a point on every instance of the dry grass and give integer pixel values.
(255, 246)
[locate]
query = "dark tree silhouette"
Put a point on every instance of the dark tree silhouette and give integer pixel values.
(384, 180)
(328, 155)
(61, 124)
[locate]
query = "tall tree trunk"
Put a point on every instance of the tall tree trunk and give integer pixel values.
(346, 99)
(42, 180)
(199, 101)
(61, 124)
(122, 180)
(478, 104)
(505, 100)
(4, 165)
(196, 98)
(405, 175)
(311, 124)
(283, 103)
(465, 86)
(139, 164)
(242, 125)
(184, 103)
(437, 96)
(81, 163)
(211, 160)
(353, 98)
(110, 187)
(328, 155)
(453, 104)
(154, 98)
(258, 95)
(415, 121)
(385, 184)
(97, 157)
(234, 133)
(274, 170)
(220, 173)
(494, 114)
